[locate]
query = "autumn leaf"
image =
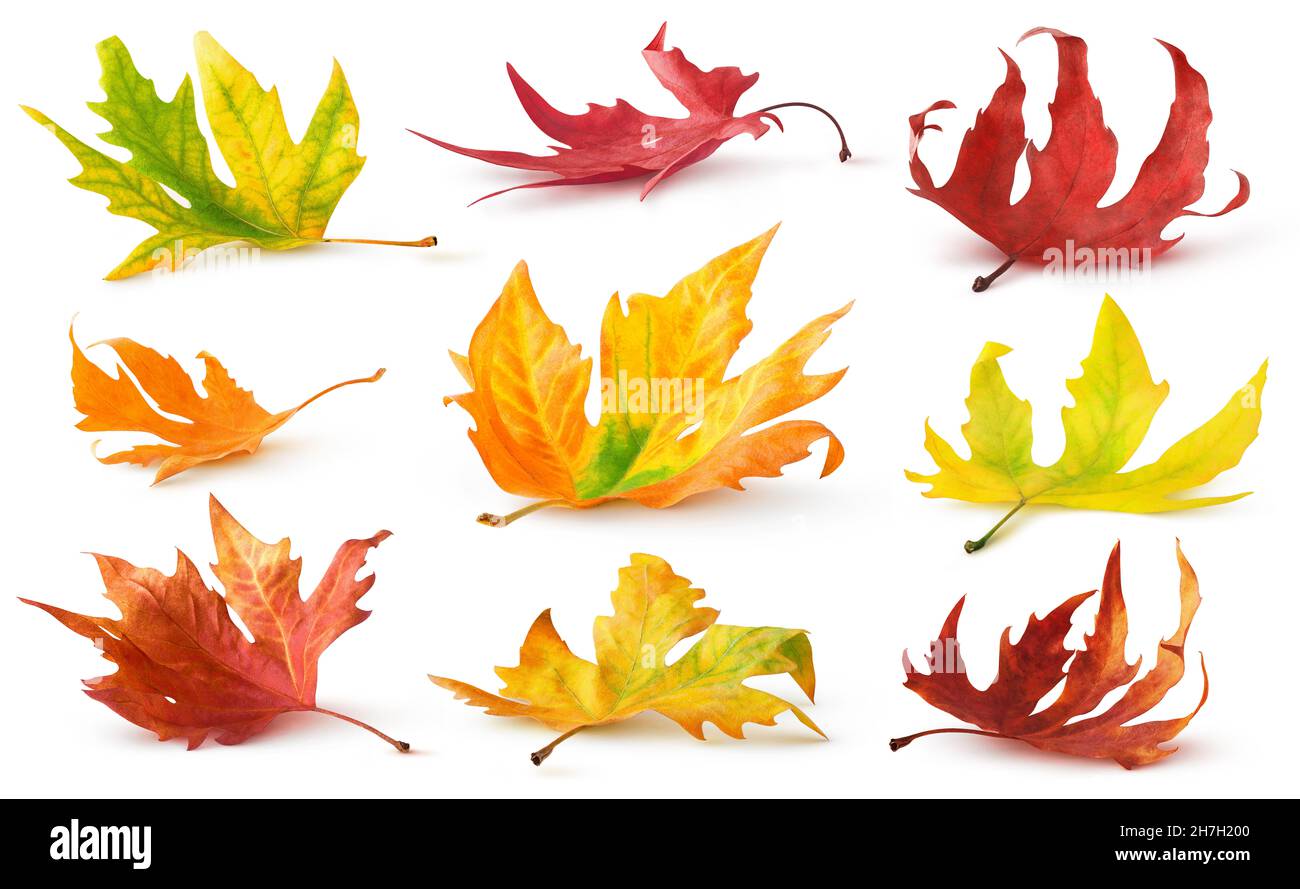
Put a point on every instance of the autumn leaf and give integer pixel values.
(1032, 667)
(284, 193)
(1115, 400)
(225, 422)
(654, 609)
(607, 143)
(671, 425)
(1059, 214)
(185, 669)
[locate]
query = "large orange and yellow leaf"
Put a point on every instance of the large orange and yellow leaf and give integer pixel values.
(672, 424)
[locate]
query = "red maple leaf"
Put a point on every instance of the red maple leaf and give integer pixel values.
(185, 669)
(1070, 175)
(611, 142)
(1029, 669)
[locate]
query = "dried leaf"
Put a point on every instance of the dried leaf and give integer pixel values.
(225, 422)
(654, 609)
(185, 670)
(609, 143)
(671, 425)
(1032, 667)
(1069, 177)
(1115, 400)
(285, 191)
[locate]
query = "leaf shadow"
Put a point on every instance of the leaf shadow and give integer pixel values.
(1016, 754)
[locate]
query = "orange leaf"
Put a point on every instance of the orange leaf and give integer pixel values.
(672, 424)
(224, 423)
(1032, 667)
(184, 669)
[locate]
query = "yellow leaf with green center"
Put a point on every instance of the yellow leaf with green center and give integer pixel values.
(284, 193)
(672, 425)
(654, 609)
(1115, 400)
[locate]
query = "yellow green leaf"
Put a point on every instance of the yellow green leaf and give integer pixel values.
(672, 425)
(284, 192)
(1115, 400)
(654, 609)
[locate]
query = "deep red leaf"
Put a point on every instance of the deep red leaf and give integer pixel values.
(1069, 176)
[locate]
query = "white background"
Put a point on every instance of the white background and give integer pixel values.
(860, 559)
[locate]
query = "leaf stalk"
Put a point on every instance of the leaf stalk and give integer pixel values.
(400, 746)
(845, 154)
(430, 241)
(983, 281)
(500, 521)
(973, 545)
(897, 744)
(539, 756)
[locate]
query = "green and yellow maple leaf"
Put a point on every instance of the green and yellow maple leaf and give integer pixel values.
(1115, 400)
(654, 609)
(284, 193)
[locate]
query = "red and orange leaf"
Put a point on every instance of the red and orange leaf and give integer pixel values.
(184, 668)
(1071, 174)
(1032, 667)
(607, 143)
(224, 422)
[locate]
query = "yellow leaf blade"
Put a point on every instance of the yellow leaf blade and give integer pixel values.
(654, 609)
(1115, 402)
(1196, 458)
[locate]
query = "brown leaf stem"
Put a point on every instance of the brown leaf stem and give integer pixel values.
(897, 744)
(539, 756)
(401, 746)
(845, 154)
(983, 281)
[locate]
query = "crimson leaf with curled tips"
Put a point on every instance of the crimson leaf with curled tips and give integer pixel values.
(607, 143)
(1029, 669)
